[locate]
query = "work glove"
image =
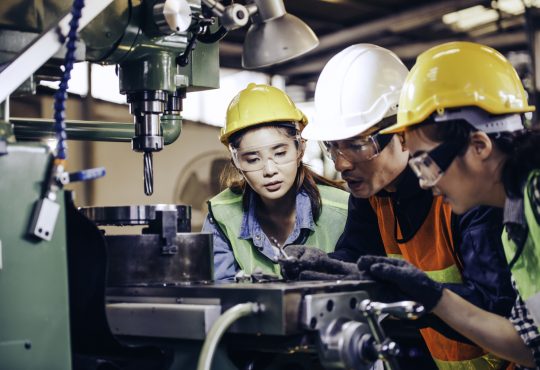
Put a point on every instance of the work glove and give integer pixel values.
(310, 263)
(412, 281)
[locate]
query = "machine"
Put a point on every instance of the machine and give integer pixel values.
(77, 297)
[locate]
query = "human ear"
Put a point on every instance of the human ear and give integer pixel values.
(481, 145)
(301, 150)
(402, 141)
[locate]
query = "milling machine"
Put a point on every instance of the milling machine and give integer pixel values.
(76, 297)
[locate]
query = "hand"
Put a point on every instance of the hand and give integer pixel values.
(310, 263)
(412, 281)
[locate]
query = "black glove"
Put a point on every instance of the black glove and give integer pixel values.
(310, 263)
(411, 280)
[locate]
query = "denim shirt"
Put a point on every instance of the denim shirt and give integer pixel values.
(225, 265)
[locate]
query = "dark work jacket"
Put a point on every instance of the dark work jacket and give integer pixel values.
(476, 235)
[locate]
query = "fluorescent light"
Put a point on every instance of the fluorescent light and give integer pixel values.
(466, 19)
(514, 7)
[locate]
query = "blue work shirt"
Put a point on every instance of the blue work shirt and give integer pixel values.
(225, 265)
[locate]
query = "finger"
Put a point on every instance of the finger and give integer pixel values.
(359, 275)
(313, 259)
(387, 272)
(316, 275)
(289, 270)
(365, 262)
(314, 252)
(334, 266)
(295, 250)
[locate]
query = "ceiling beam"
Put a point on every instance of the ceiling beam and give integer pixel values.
(409, 51)
(405, 21)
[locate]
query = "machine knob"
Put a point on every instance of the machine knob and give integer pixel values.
(172, 16)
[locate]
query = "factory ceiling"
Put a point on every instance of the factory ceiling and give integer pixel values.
(405, 27)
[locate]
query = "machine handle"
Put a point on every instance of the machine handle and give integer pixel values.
(409, 310)
(84, 175)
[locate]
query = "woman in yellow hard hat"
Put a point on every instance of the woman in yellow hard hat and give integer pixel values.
(462, 110)
(272, 199)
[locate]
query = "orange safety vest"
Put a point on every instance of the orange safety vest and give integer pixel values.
(431, 250)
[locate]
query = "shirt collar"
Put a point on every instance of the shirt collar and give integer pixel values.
(514, 212)
(407, 186)
(514, 220)
(304, 216)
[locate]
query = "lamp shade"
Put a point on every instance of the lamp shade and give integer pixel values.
(277, 40)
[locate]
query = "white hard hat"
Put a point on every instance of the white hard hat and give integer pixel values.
(357, 88)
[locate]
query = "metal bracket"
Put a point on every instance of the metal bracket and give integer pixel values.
(43, 48)
(319, 310)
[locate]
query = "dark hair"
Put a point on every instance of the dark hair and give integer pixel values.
(306, 180)
(520, 147)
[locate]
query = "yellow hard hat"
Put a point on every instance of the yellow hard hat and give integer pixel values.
(459, 74)
(258, 104)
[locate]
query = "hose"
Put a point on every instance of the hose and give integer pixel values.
(219, 328)
(61, 94)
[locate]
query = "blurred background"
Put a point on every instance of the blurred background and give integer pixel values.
(187, 171)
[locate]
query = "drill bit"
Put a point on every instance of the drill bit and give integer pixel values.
(148, 173)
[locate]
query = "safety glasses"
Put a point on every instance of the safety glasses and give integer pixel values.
(430, 166)
(356, 150)
(256, 158)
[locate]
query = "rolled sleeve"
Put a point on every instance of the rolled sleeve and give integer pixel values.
(225, 266)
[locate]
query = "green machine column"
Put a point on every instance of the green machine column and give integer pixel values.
(34, 313)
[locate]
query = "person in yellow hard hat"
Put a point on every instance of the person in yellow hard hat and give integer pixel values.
(461, 112)
(272, 199)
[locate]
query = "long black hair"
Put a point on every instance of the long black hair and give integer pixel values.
(522, 150)
(306, 180)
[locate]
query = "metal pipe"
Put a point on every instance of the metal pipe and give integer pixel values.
(37, 129)
(171, 126)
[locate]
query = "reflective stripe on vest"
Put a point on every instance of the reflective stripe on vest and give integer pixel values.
(228, 213)
(526, 270)
(450, 274)
(431, 250)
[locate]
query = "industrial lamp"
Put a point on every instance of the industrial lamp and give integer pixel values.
(274, 35)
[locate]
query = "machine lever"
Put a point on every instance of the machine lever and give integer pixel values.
(386, 348)
(83, 175)
(409, 310)
(198, 29)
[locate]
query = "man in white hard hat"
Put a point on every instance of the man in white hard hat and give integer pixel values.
(356, 96)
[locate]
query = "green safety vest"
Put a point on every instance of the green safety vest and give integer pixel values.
(526, 270)
(226, 210)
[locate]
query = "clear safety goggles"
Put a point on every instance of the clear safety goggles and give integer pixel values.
(430, 166)
(256, 158)
(356, 150)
